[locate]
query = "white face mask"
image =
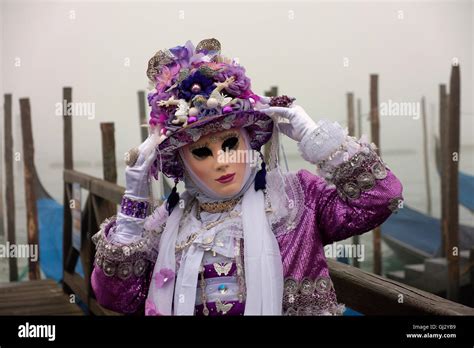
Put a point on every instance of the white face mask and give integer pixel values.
(197, 188)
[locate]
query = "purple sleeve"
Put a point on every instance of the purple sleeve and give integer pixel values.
(356, 201)
(122, 296)
(121, 275)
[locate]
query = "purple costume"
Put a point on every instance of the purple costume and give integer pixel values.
(361, 195)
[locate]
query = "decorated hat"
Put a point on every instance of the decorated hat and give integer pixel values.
(198, 91)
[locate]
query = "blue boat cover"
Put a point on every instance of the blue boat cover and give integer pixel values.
(50, 221)
(466, 191)
(422, 231)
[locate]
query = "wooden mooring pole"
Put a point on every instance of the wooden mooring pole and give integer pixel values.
(359, 118)
(351, 129)
(104, 208)
(107, 130)
(9, 184)
(2, 207)
(30, 194)
(425, 156)
(142, 115)
(443, 118)
(375, 135)
(451, 169)
(471, 273)
(68, 164)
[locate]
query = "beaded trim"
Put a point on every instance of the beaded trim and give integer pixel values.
(310, 297)
(219, 207)
(395, 204)
(134, 208)
(124, 261)
(358, 174)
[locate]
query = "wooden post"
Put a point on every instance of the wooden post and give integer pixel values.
(443, 117)
(30, 195)
(350, 114)
(142, 115)
(425, 155)
(105, 209)
(273, 92)
(359, 118)
(68, 164)
(108, 151)
(471, 268)
(10, 184)
(2, 214)
(351, 130)
(451, 163)
(375, 134)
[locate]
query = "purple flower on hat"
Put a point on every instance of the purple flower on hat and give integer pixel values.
(158, 114)
(240, 87)
(163, 276)
(167, 77)
(195, 84)
(186, 55)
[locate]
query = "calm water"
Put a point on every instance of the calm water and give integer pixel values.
(407, 165)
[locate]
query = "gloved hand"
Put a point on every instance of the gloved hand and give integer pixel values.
(300, 123)
(317, 142)
(137, 175)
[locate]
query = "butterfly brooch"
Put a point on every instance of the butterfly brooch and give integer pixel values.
(222, 268)
(223, 307)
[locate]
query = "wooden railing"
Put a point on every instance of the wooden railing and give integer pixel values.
(362, 291)
(100, 204)
(372, 294)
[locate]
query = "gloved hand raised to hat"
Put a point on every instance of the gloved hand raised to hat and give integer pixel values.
(131, 218)
(324, 141)
(137, 172)
(300, 122)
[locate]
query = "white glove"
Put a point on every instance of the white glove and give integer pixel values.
(137, 176)
(317, 142)
(300, 122)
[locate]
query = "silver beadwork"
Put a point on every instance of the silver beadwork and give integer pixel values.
(109, 268)
(322, 285)
(291, 286)
(379, 171)
(310, 297)
(351, 190)
(395, 204)
(124, 260)
(139, 267)
(365, 181)
(306, 286)
(124, 270)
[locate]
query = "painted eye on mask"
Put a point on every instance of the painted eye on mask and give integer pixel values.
(202, 152)
(230, 144)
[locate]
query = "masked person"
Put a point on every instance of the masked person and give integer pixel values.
(244, 238)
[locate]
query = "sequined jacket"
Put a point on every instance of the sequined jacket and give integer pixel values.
(354, 196)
